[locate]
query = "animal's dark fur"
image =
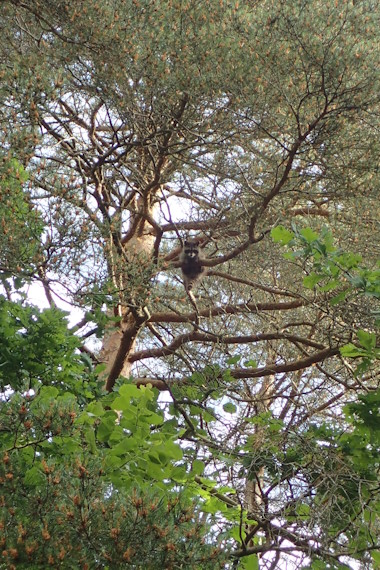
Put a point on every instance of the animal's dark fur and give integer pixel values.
(191, 264)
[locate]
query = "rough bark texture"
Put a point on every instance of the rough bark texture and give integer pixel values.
(120, 336)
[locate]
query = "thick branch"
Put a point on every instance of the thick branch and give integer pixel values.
(239, 373)
(291, 367)
(126, 343)
(228, 310)
(197, 336)
(254, 284)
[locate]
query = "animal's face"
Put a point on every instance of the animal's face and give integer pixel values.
(191, 249)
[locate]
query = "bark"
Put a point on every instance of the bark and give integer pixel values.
(254, 488)
(136, 251)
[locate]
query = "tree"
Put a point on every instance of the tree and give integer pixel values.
(67, 499)
(250, 126)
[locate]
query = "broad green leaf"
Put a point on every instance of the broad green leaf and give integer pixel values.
(312, 280)
(152, 418)
(213, 505)
(303, 510)
(90, 438)
(331, 285)
(233, 360)
(130, 390)
(309, 234)
(68, 445)
(154, 458)
(250, 562)
(318, 565)
(95, 409)
(230, 408)
(172, 450)
(179, 474)
(250, 363)
(125, 446)
(155, 471)
(338, 298)
(197, 467)
(237, 533)
(281, 235)
(366, 339)
(106, 426)
(48, 392)
(352, 351)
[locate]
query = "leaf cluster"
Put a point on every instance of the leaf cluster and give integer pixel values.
(21, 224)
(37, 349)
(80, 490)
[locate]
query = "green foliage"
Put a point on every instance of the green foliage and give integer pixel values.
(332, 270)
(80, 488)
(37, 349)
(59, 510)
(364, 415)
(108, 469)
(141, 441)
(350, 456)
(251, 111)
(21, 224)
(250, 563)
(328, 266)
(281, 235)
(365, 351)
(327, 479)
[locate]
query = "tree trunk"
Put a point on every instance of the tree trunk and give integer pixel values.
(255, 483)
(134, 261)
